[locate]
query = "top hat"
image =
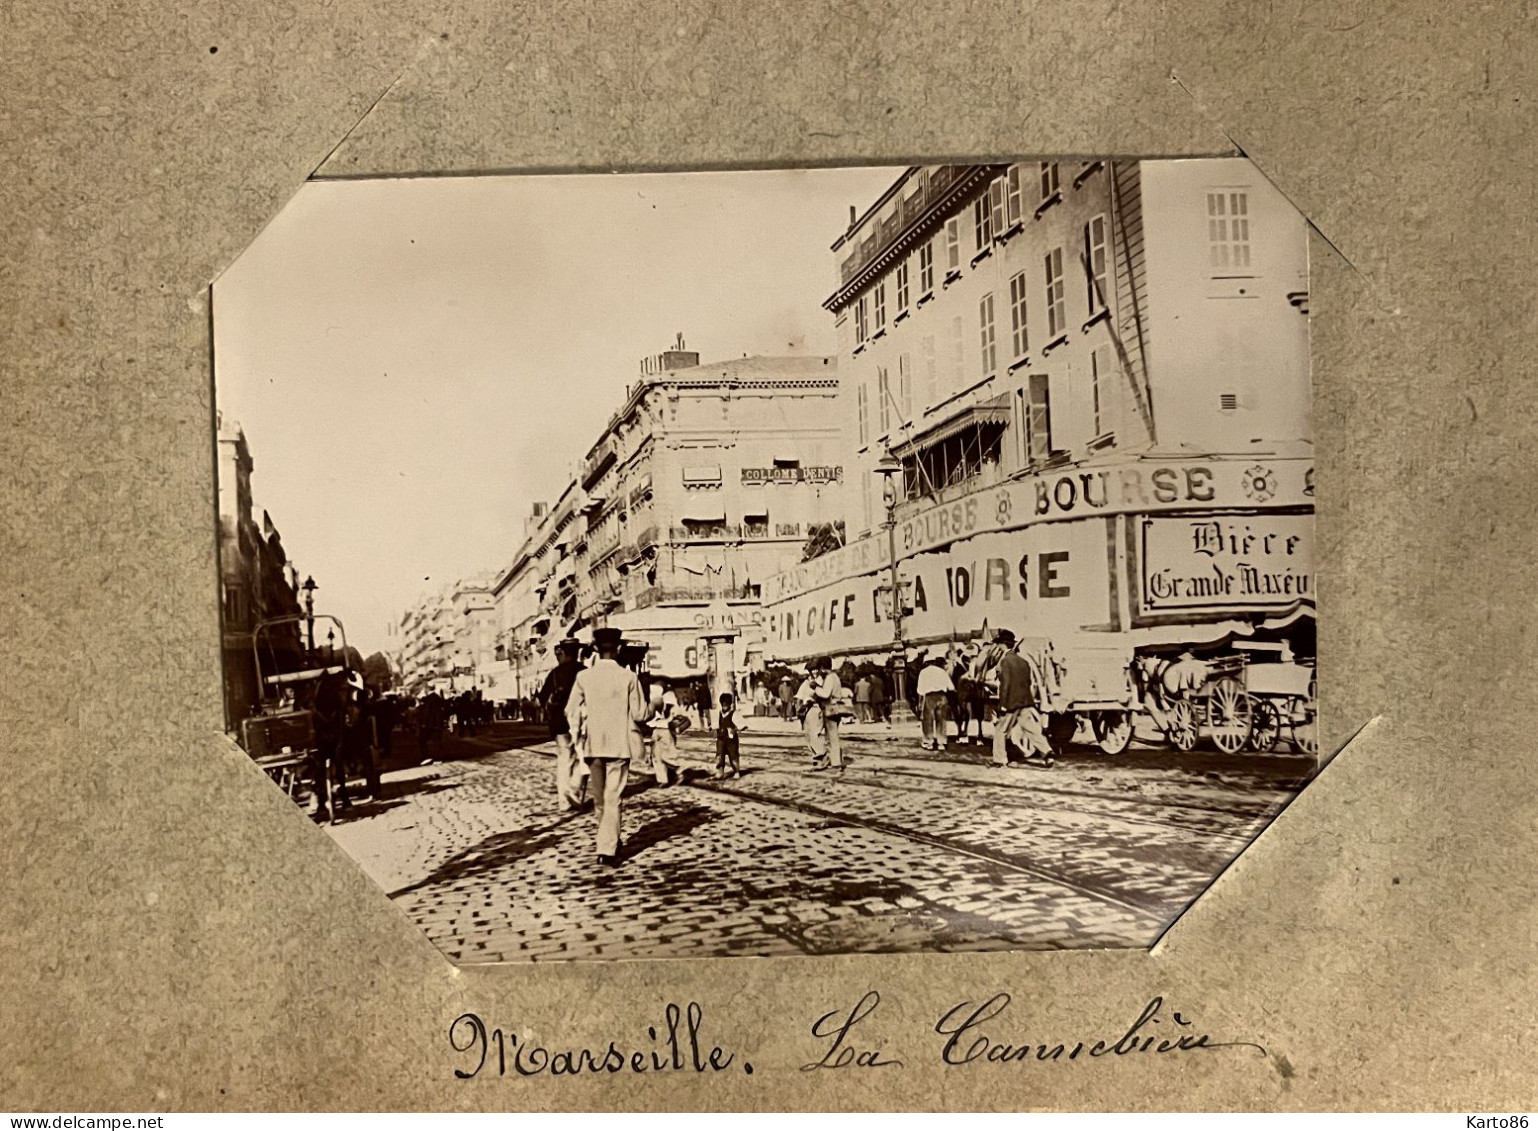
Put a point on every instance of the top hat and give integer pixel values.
(606, 637)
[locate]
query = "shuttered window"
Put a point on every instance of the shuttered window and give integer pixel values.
(1057, 314)
(1013, 190)
(1228, 230)
(1039, 432)
(1019, 338)
(1094, 259)
(985, 323)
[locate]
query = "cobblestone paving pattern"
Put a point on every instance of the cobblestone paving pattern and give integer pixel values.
(899, 853)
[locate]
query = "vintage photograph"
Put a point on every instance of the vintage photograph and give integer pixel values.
(816, 561)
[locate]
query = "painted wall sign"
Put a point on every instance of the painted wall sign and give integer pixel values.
(1047, 580)
(752, 475)
(1220, 562)
(1142, 486)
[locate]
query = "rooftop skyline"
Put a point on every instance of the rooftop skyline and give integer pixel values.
(416, 362)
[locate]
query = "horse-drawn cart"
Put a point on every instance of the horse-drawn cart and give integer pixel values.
(284, 735)
(1099, 693)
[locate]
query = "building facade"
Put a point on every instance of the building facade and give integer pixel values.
(1089, 384)
(706, 481)
(448, 639)
(257, 582)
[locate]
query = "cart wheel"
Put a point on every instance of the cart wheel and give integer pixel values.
(1113, 730)
(1305, 735)
(1266, 727)
(1229, 716)
(1180, 725)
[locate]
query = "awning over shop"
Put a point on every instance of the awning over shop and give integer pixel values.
(705, 509)
(989, 414)
(1299, 612)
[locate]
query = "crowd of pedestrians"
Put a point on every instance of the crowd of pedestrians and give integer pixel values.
(607, 717)
(1003, 682)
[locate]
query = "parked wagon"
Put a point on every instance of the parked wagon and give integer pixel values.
(281, 735)
(1099, 693)
(1236, 703)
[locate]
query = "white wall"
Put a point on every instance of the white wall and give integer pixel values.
(1214, 330)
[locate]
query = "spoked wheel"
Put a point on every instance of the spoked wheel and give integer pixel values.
(1180, 725)
(1305, 734)
(1266, 726)
(1229, 716)
(1113, 730)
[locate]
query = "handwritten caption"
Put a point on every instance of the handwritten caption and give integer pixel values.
(845, 1038)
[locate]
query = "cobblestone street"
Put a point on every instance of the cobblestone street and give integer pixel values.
(904, 851)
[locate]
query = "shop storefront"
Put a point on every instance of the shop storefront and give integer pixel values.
(1144, 553)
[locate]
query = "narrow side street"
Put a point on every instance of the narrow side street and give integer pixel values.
(904, 851)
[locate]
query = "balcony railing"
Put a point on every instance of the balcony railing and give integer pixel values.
(734, 531)
(698, 595)
(601, 460)
(600, 550)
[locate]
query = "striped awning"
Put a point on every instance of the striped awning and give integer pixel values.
(990, 414)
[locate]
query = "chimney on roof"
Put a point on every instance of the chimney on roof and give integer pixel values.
(853, 215)
(676, 358)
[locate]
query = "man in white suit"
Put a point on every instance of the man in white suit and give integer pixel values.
(605, 713)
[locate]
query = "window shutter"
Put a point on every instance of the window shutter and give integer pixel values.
(1041, 418)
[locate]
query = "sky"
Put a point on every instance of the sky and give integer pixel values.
(416, 362)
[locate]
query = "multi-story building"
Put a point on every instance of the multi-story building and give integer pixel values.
(448, 639)
(422, 649)
(257, 581)
(1089, 385)
(474, 634)
(708, 479)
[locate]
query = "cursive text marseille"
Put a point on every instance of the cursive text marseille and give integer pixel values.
(678, 1049)
(969, 1043)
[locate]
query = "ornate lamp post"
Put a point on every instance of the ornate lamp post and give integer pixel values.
(888, 468)
(309, 588)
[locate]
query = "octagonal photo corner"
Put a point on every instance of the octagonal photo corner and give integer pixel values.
(798, 562)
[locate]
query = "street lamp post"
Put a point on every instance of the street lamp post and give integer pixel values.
(309, 588)
(888, 468)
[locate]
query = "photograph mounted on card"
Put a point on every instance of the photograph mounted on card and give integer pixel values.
(795, 562)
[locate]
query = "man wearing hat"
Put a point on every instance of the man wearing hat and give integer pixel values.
(1017, 716)
(605, 713)
(822, 687)
(570, 773)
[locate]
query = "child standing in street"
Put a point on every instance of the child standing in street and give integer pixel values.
(726, 740)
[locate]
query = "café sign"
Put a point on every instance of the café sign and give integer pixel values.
(1228, 562)
(1139, 487)
(1038, 581)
